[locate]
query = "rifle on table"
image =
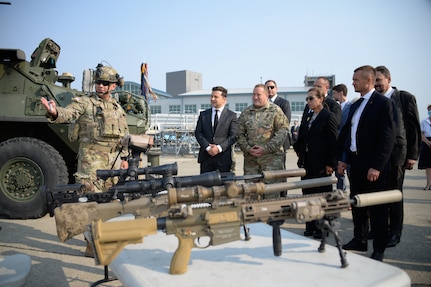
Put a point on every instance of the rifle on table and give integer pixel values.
(134, 189)
(73, 218)
(71, 193)
(221, 224)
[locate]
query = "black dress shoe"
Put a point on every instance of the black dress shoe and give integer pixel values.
(393, 240)
(377, 256)
(356, 244)
(308, 233)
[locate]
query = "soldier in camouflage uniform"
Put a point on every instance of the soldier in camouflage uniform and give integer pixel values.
(99, 123)
(262, 130)
(129, 104)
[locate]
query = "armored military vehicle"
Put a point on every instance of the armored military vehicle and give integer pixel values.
(33, 152)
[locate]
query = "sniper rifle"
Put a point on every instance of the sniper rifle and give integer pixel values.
(73, 218)
(221, 224)
(132, 190)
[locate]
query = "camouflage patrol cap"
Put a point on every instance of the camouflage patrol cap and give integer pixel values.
(109, 74)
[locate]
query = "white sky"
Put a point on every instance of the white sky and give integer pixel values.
(235, 44)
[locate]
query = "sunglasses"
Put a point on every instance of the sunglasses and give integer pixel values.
(105, 83)
(309, 98)
(271, 87)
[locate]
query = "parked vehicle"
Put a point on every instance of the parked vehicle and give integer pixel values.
(33, 152)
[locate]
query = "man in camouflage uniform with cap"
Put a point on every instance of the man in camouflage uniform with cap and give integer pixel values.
(99, 123)
(262, 130)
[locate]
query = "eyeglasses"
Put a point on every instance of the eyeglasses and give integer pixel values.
(309, 98)
(271, 87)
(105, 83)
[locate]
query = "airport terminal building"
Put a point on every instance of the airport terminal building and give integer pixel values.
(184, 97)
(175, 113)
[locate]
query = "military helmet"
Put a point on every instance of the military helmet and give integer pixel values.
(109, 74)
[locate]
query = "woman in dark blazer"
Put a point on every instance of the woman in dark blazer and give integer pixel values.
(316, 146)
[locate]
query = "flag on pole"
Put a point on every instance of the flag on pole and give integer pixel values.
(146, 90)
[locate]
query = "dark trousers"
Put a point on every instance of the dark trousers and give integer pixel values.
(376, 215)
(396, 209)
(395, 181)
(312, 225)
(213, 164)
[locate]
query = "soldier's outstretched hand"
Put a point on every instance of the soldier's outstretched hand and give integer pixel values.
(50, 105)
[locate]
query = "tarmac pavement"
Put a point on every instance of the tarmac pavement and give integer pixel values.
(63, 264)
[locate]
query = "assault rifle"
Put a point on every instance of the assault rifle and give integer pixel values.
(134, 189)
(221, 224)
(73, 218)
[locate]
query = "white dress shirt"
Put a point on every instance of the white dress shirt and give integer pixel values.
(273, 98)
(355, 120)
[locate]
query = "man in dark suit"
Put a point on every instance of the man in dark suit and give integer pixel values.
(329, 103)
(284, 106)
(406, 151)
(339, 93)
(367, 139)
(323, 83)
(216, 132)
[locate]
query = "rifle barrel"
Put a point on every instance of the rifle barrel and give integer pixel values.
(306, 183)
(194, 194)
(376, 198)
(269, 175)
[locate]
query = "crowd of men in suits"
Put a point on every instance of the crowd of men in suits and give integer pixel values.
(376, 139)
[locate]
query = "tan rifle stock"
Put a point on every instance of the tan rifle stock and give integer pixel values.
(222, 224)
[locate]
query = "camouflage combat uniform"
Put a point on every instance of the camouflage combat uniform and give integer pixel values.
(265, 126)
(99, 126)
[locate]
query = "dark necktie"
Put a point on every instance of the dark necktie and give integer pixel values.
(215, 120)
(355, 106)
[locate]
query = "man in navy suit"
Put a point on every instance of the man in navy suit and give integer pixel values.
(216, 132)
(284, 106)
(406, 151)
(339, 93)
(367, 140)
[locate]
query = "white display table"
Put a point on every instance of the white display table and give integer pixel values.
(251, 263)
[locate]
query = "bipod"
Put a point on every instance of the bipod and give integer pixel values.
(328, 224)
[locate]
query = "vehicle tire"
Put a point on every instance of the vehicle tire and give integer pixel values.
(27, 164)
